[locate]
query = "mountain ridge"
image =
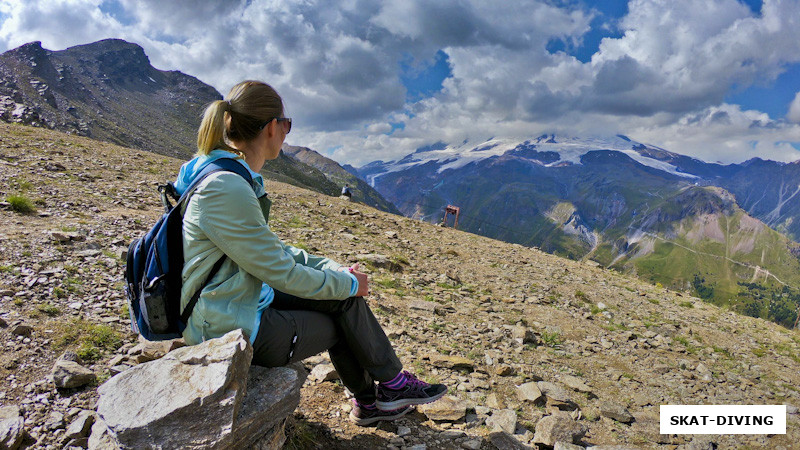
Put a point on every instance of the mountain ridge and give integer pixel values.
(583, 198)
(109, 90)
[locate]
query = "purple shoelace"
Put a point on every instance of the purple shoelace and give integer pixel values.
(410, 378)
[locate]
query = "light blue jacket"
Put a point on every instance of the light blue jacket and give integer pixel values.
(223, 218)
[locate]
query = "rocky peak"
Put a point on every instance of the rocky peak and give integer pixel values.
(115, 59)
(31, 51)
(91, 89)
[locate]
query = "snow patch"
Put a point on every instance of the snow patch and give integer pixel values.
(570, 151)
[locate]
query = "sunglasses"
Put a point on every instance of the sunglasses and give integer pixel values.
(288, 121)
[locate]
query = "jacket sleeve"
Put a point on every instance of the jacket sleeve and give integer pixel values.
(229, 214)
(315, 262)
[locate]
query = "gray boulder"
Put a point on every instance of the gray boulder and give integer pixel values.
(189, 398)
(529, 392)
(202, 396)
(272, 396)
(12, 430)
(502, 440)
(503, 420)
(69, 374)
(448, 408)
(80, 426)
(616, 411)
(558, 427)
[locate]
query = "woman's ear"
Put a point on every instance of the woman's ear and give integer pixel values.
(271, 128)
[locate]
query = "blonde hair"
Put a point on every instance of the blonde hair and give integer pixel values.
(239, 117)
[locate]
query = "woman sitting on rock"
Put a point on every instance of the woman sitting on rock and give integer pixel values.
(291, 304)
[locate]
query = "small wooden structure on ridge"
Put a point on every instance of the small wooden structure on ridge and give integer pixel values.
(450, 209)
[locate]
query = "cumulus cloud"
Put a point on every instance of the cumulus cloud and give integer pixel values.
(727, 134)
(664, 80)
(82, 22)
(794, 110)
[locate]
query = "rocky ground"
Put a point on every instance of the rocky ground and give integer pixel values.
(527, 342)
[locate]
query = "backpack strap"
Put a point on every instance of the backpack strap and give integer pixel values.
(219, 165)
(193, 301)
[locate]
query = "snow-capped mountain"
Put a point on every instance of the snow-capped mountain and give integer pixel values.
(614, 200)
(548, 150)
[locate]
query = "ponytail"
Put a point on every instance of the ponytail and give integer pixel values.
(212, 129)
(241, 117)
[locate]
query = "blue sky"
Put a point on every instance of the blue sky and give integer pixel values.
(368, 79)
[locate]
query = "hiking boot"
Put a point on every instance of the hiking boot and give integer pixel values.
(363, 416)
(413, 392)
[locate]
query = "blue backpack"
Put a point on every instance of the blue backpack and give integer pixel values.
(155, 262)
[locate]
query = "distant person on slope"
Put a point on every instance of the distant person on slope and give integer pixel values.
(291, 304)
(346, 192)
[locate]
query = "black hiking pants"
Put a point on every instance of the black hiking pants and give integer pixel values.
(294, 328)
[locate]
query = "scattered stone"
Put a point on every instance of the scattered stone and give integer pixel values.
(701, 443)
(558, 427)
(503, 420)
(22, 330)
(69, 374)
(146, 351)
(448, 408)
(529, 392)
(561, 445)
(118, 359)
(493, 402)
(472, 444)
(102, 438)
(323, 372)
(63, 237)
(3, 323)
(524, 335)
(452, 362)
(350, 212)
(80, 426)
(422, 305)
(703, 373)
(505, 441)
(557, 397)
(615, 411)
(452, 434)
(505, 370)
(12, 427)
(576, 384)
(55, 421)
(77, 444)
(69, 355)
(376, 260)
(403, 431)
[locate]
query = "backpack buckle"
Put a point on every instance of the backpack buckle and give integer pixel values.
(168, 190)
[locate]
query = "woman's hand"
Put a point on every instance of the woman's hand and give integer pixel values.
(363, 281)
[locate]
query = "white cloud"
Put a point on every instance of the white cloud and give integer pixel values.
(57, 23)
(663, 81)
(727, 134)
(794, 110)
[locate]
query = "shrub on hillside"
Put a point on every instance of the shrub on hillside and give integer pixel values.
(20, 204)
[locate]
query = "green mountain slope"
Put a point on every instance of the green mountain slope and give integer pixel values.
(338, 176)
(704, 242)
